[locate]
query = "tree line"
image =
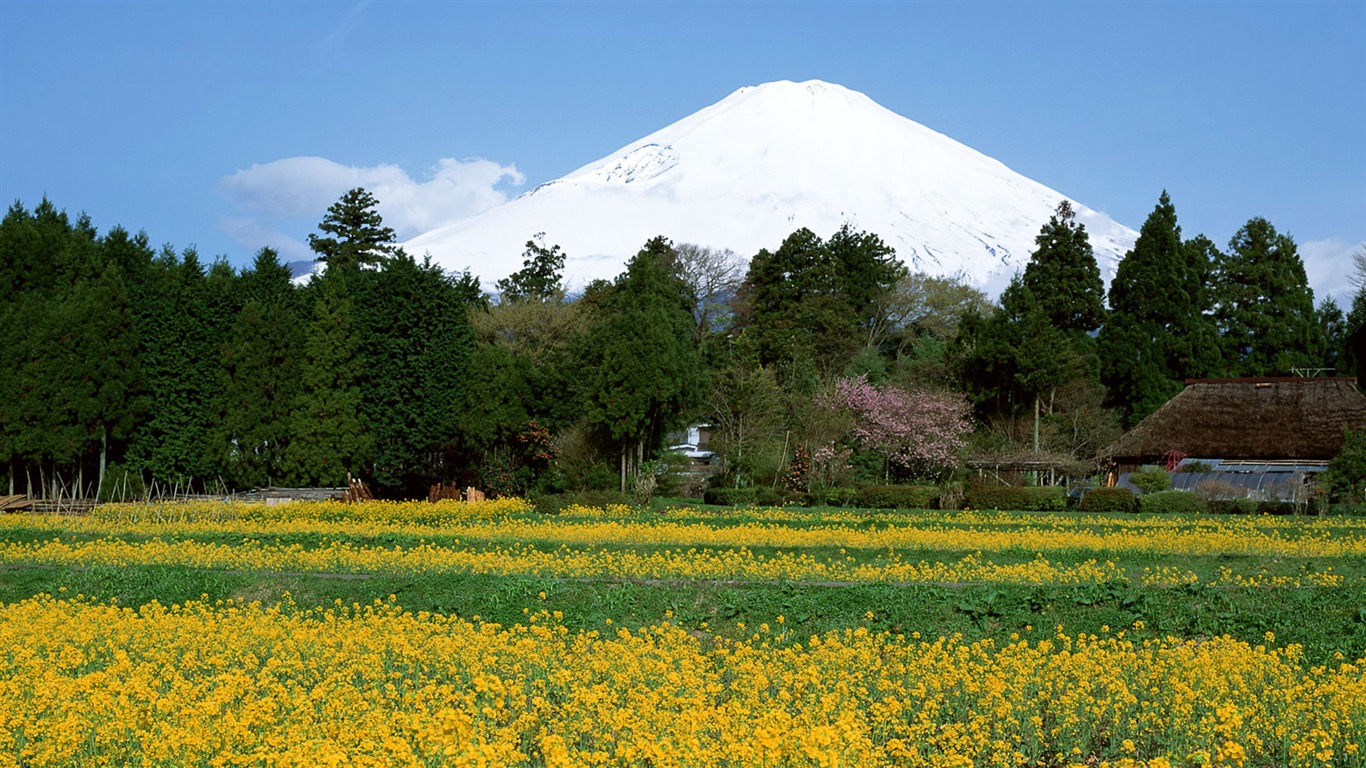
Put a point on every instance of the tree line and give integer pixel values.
(824, 362)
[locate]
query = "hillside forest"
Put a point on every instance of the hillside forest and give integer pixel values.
(822, 364)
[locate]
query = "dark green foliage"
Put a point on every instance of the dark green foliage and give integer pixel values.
(328, 437)
(353, 233)
(1157, 334)
(183, 320)
(71, 389)
(1039, 343)
(1353, 349)
(643, 371)
(1333, 329)
(539, 278)
(742, 497)
(1044, 499)
(810, 303)
(259, 377)
(1151, 479)
(898, 497)
(1170, 503)
(1249, 507)
(1063, 276)
(416, 341)
(1263, 305)
(1108, 500)
(1347, 471)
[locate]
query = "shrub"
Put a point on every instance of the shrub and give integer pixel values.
(1196, 467)
(1170, 503)
(1046, 499)
(1151, 479)
(1231, 506)
(767, 497)
(951, 495)
(897, 497)
(1108, 500)
(743, 497)
(841, 497)
(729, 497)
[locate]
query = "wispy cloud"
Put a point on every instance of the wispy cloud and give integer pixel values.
(332, 45)
(1328, 264)
(279, 195)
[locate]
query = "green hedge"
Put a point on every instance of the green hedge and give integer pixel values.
(1046, 499)
(742, 497)
(1170, 503)
(1249, 507)
(1108, 500)
(898, 497)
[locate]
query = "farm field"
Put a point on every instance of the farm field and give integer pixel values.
(488, 634)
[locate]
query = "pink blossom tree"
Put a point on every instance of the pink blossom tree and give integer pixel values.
(916, 432)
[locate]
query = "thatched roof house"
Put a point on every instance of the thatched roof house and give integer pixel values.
(1273, 419)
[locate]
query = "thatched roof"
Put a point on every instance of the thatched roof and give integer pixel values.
(1248, 419)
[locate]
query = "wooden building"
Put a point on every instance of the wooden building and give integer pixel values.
(1241, 428)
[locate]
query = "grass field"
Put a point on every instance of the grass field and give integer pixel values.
(469, 634)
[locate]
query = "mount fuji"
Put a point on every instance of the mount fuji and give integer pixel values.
(748, 171)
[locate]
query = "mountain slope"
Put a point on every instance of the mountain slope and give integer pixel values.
(749, 170)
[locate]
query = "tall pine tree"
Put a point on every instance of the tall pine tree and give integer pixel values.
(1263, 305)
(1157, 334)
(353, 233)
(1062, 274)
(259, 376)
(644, 371)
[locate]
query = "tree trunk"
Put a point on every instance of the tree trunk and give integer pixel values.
(1036, 423)
(623, 467)
(104, 455)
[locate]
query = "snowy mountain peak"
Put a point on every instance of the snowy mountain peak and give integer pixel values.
(750, 169)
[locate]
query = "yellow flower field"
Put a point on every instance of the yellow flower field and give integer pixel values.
(241, 684)
(87, 682)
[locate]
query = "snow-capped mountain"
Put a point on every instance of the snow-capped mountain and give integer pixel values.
(749, 170)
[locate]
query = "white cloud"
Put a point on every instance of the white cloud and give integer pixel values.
(1328, 264)
(283, 195)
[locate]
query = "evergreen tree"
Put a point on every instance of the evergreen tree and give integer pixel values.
(810, 304)
(328, 436)
(539, 279)
(259, 376)
(353, 233)
(644, 372)
(1156, 335)
(68, 347)
(1063, 277)
(180, 334)
(1333, 328)
(1263, 305)
(416, 341)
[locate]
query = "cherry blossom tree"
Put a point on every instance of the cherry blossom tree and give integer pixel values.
(919, 433)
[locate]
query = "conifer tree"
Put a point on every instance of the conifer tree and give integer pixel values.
(643, 371)
(539, 279)
(328, 437)
(354, 233)
(1062, 274)
(412, 321)
(1156, 335)
(259, 376)
(810, 303)
(1263, 305)
(180, 334)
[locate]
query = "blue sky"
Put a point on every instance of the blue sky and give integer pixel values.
(233, 125)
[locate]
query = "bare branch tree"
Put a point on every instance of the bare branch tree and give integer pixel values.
(713, 276)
